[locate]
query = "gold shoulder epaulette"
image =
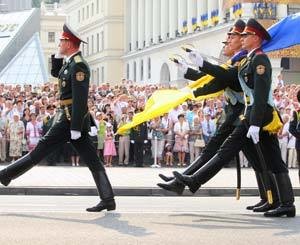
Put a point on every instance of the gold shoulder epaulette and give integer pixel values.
(45, 119)
(77, 59)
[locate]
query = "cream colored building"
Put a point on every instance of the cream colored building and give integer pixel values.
(101, 24)
(52, 19)
(155, 29)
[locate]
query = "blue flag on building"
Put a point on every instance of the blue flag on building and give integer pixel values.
(285, 33)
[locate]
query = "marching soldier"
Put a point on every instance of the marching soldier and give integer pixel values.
(254, 75)
(139, 137)
(48, 122)
(234, 108)
(73, 122)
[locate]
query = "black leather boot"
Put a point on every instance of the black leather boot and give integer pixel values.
(166, 178)
(266, 206)
(286, 197)
(173, 186)
(261, 191)
(205, 173)
(105, 192)
(16, 169)
(191, 169)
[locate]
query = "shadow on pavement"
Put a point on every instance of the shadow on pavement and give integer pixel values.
(108, 220)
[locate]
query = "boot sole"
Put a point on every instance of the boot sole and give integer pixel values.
(165, 178)
(289, 214)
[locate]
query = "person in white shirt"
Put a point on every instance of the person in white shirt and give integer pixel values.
(283, 137)
(208, 127)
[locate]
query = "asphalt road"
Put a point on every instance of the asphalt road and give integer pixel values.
(141, 220)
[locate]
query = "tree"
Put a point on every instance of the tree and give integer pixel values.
(36, 3)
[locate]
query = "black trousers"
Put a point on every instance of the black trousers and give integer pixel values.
(58, 135)
(269, 145)
(226, 128)
(138, 153)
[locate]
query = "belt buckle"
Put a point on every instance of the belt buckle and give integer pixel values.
(66, 109)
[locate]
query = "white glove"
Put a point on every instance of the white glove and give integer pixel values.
(253, 132)
(196, 58)
(145, 141)
(188, 90)
(182, 66)
(93, 131)
(75, 135)
(132, 141)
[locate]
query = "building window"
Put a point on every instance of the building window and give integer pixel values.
(102, 74)
(149, 68)
(127, 71)
(79, 16)
(97, 7)
(142, 70)
(293, 8)
(51, 37)
(98, 45)
(87, 11)
(82, 13)
(92, 76)
(101, 6)
(92, 8)
(102, 40)
(98, 76)
(88, 46)
(134, 71)
(93, 44)
(49, 64)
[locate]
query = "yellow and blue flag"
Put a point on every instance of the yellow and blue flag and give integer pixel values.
(284, 34)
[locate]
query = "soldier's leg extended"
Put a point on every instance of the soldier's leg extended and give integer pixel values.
(208, 152)
(227, 151)
(87, 152)
(55, 138)
(281, 176)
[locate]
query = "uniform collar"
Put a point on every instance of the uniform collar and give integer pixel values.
(252, 52)
(71, 56)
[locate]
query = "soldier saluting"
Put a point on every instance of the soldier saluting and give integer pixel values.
(73, 122)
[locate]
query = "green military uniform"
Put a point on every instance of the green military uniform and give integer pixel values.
(74, 77)
(139, 134)
(254, 75)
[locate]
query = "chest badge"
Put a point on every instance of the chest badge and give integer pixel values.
(66, 71)
(80, 76)
(63, 84)
(260, 69)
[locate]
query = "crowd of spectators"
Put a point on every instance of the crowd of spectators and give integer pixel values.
(179, 136)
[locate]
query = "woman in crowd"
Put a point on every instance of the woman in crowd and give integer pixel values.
(181, 131)
(15, 134)
(109, 145)
(33, 132)
(158, 139)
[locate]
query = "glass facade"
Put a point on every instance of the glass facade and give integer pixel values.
(27, 67)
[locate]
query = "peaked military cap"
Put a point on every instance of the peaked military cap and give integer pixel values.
(70, 34)
(238, 27)
(254, 28)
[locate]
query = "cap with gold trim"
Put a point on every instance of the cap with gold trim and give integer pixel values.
(238, 27)
(69, 34)
(255, 28)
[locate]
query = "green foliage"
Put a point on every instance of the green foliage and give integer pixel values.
(37, 3)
